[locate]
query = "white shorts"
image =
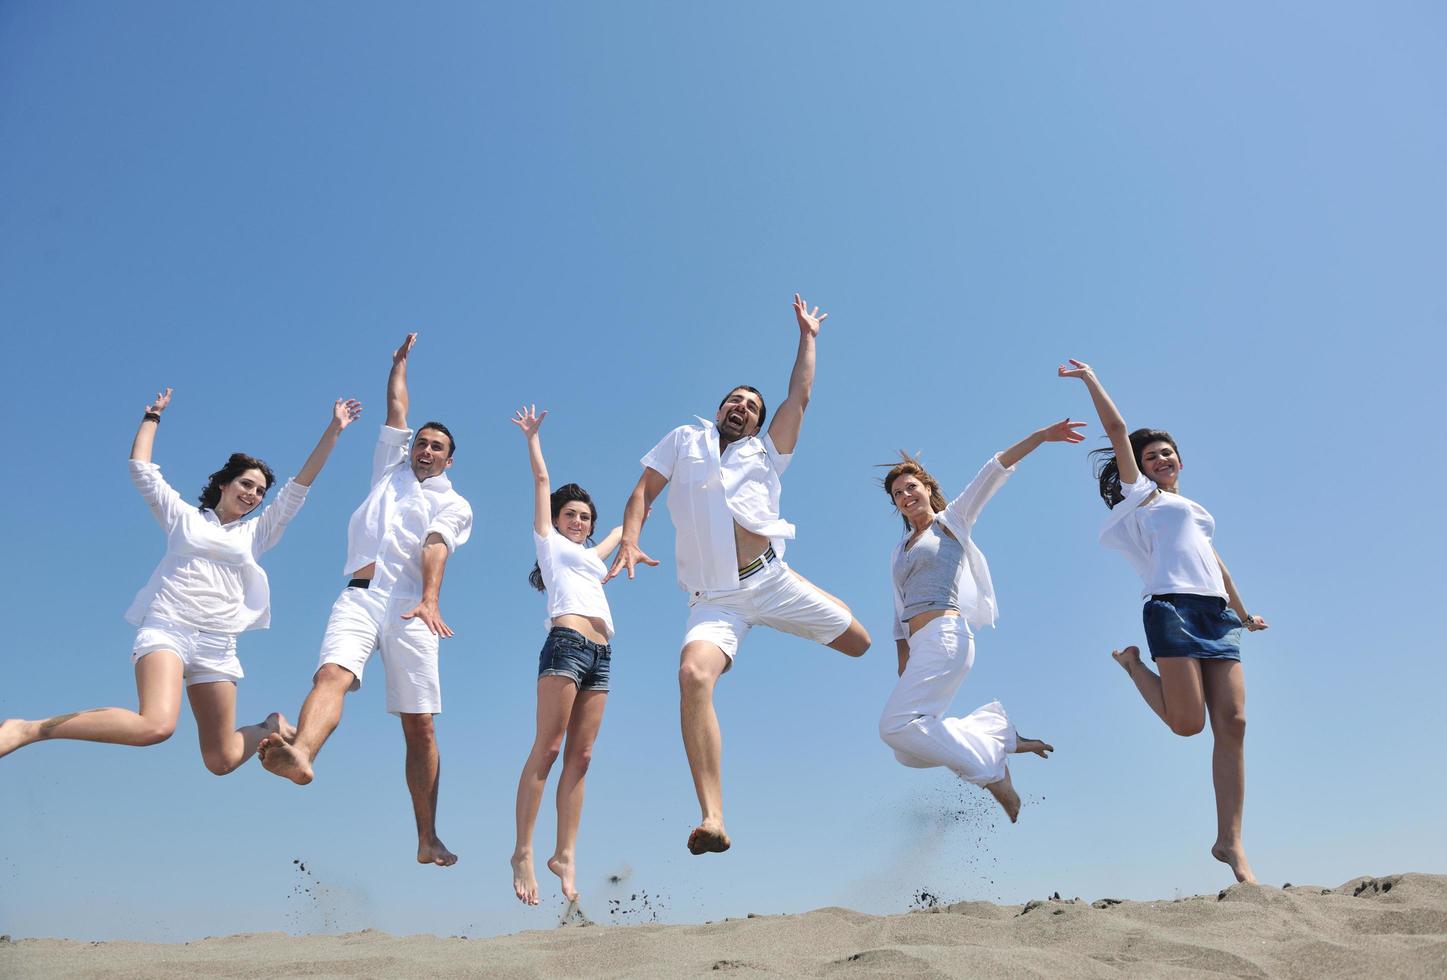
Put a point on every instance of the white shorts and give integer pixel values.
(205, 657)
(362, 622)
(773, 596)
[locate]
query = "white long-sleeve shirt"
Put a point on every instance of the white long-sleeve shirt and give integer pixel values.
(1167, 540)
(210, 578)
(709, 492)
(393, 523)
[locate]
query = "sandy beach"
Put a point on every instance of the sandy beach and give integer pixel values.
(1385, 926)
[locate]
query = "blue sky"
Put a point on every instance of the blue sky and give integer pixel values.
(1234, 213)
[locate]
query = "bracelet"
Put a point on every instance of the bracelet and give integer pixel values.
(152, 417)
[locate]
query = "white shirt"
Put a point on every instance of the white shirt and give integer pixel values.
(392, 524)
(707, 495)
(1167, 539)
(210, 579)
(573, 574)
(974, 588)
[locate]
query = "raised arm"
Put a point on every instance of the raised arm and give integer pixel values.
(789, 416)
(397, 384)
(1252, 623)
(1110, 420)
(1063, 431)
(344, 413)
(150, 422)
(640, 502)
(529, 421)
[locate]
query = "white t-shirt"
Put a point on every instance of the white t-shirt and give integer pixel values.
(1167, 539)
(573, 575)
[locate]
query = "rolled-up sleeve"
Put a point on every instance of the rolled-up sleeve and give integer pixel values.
(165, 503)
(278, 514)
(453, 524)
(391, 450)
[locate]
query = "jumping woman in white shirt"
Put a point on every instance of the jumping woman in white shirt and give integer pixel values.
(573, 667)
(942, 588)
(1193, 614)
(207, 589)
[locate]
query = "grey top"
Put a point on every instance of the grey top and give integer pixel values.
(927, 573)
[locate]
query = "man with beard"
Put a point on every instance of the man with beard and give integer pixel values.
(730, 547)
(398, 543)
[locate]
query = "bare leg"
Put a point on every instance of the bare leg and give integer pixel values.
(224, 747)
(555, 706)
(1175, 695)
(158, 685)
(702, 665)
(1226, 701)
(577, 755)
(1003, 791)
(321, 712)
(423, 777)
(855, 640)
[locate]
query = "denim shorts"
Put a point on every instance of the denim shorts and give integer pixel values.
(568, 653)
(1201, 627)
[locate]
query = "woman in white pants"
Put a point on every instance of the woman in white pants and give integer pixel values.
(208, 589)
(942, 588)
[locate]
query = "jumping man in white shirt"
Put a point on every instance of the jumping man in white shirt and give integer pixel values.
(398, 543)
(730, 544)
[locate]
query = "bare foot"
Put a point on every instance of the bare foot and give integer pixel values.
(281, 759)
(1127, 658)
(433, 852)
(1042, 749)
(563, 868)
(16, 733)
(277, 724)
(1236, 858)
(524, 882)
(707, 837)
(1004, 792)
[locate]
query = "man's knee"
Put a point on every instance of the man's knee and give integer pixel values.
(854, 641)
(333, 677)
(155, 732)
(700, 667)
(217, 764)
(418, 728)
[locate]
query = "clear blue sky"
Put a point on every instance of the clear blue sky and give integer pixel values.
(1235, 213)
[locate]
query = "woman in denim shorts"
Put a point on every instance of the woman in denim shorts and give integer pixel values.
(573, 666)
(1193, 614)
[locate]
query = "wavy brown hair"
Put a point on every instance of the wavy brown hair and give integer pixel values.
(911, 466)
(238, 464)
(1107, 469)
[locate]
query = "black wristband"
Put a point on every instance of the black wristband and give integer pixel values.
(152, 417)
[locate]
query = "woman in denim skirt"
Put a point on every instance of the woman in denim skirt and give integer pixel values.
(573, 666)
(1193, 614)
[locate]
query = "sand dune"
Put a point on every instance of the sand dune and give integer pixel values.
(1391, 926)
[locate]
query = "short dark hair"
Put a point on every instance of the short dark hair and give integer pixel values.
(438, 426)
(763, 409)
(561, 497)
(1107, 469)
(238, 464)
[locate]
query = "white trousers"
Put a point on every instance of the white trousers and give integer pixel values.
(913, 724)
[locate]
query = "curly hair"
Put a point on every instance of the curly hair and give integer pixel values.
(911, 466)
(1107, 468)
(561, 497)
(238, 464)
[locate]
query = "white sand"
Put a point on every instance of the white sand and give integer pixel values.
(1394, 926)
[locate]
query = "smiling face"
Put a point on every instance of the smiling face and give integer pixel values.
(911, 498)
(431, 453)
(1160, 461)
(574, 521)
(241, 495)
(739, 415)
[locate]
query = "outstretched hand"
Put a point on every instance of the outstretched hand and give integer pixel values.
(628, 556)
(431, 617)
(528, 419)
(159, 403)
(400, 354)
(1078, 369)
(345, 412)
(1254, 624)
(809, 322)
(1063, 431)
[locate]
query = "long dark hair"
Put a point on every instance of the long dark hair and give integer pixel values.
(238, 464)
(911, 466)
(1107, 469)
(561, 497)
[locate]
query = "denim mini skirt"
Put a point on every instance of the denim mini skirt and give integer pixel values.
(1197, 626)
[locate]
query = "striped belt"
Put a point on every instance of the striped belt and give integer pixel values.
(758, 563)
